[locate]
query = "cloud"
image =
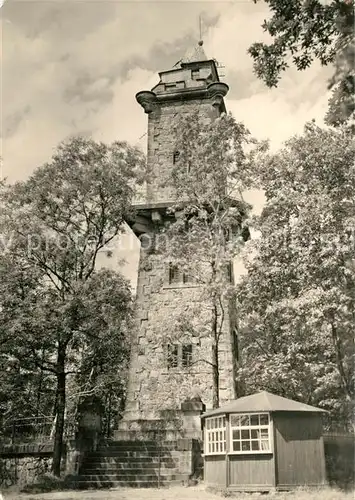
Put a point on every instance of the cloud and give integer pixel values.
(74, 68)
(275, 113)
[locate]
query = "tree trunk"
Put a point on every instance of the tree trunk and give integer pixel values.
(340, 362)
(60, 413)
(215, 362)
(215, 377)
(238, 385)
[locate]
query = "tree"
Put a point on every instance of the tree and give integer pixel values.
(306, 30)
(297, 300)
(56, 222)
(206, 231)
(22, 387)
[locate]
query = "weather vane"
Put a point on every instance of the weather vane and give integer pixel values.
(218, 64)
(200, 28)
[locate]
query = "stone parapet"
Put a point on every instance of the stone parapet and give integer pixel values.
(20, 449)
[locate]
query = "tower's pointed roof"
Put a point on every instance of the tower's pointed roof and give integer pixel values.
(196, 54)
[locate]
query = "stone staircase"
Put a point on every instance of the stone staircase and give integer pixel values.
(149, 430)
(132, 464)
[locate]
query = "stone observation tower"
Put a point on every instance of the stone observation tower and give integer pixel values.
(165, 378)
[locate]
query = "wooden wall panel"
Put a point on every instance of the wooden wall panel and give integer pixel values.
(251, 470)
(299, 449)
(215, 470)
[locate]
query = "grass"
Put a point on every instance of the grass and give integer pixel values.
(200, 492)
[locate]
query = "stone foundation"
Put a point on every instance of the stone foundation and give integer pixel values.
(23, 464)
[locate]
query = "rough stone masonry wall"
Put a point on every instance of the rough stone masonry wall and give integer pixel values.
(152, 387)
(21, 470)
(161, 142)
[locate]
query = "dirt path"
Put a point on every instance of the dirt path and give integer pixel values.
(178, 493)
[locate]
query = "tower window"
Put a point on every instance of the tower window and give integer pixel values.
(173, 356)
(186, 278)
(230, 272)
(176, 156)
(177, 276)
(186, 355)
(179, 356)
(169, 86)
(195, 73)
(174, 274)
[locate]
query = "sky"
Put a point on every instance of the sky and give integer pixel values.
(74, 67)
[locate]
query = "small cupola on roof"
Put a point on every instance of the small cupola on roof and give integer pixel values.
(193, 71)
(193, 77)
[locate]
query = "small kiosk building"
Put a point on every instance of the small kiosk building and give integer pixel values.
(264, 442)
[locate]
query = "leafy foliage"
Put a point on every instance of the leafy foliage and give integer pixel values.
(304, 30)
(207, 226)
(297, 300)
(58, 313)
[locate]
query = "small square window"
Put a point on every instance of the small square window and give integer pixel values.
(254, 420)
(235, 421)
(244, 420)
(236, 445)
(245, 434)
(236, 434)
(169, 86)
(264, 419)
(265, 445)
(195, 73)
(179, 356)
(255, 445)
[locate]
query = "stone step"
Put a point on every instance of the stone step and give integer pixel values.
(133, 445)
(150, 425)
(128, 470)
(126, 454)
(103, 484)
(126, 477)
(102, 466)
(144, 435)
(120, 462)
(131, 456)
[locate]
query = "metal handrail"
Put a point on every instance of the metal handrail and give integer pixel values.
(34, 429)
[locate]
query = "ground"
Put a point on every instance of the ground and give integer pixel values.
(180, 493)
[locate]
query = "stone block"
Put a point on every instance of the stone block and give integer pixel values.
(132, 405)
(143, 314)
(193, 406)
(184, 444)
